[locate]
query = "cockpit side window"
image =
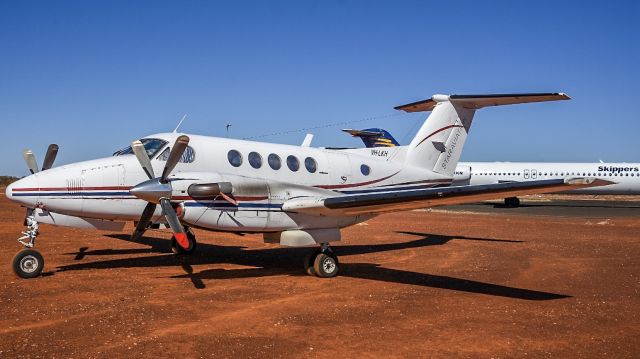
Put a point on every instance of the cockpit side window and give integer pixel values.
(151, 145)
(188, 156)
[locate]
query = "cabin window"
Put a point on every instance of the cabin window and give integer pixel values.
(274, 161)
(293, 163)
(310, 164)
(255, 160)
(151, 146)
(365, 170)
(235, 158)
(188, 156)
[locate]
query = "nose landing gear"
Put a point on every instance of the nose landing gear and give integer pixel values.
(28, 263)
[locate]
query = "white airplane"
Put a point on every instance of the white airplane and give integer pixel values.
(626, 176)
(295, 195)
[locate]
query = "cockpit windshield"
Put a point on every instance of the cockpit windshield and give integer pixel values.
(151, 145)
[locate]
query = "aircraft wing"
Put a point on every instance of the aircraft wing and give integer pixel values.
(393, 201)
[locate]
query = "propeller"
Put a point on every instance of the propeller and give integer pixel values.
(157, 190)
(32, 164)
(49, 158)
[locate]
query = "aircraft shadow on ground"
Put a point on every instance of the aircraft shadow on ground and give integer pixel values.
(287, 261)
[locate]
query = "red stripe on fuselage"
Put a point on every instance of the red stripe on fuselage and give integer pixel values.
(350, 185)
(47, 189)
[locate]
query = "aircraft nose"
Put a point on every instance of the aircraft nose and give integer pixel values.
(24, 191)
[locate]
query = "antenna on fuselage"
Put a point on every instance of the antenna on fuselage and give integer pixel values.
(227, 128)
(175, 130)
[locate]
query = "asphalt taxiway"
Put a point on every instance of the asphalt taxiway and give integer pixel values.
(555, 208)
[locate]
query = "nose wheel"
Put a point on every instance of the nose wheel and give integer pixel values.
(28, 263)
(322, 263)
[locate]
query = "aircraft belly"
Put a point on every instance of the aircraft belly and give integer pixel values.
(227, 219)
(261, 220)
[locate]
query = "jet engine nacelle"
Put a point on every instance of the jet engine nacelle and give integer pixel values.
(462, 175)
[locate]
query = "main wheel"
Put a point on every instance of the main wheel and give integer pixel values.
(512, 202)
(326, 265)
(28, 263)
(177, 249)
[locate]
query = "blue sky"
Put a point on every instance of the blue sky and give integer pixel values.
(94, 75)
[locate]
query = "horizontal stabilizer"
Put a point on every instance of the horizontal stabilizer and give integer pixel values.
(479, 101)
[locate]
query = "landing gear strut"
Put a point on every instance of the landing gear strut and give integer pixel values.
(322, 263)
(28, 263)
(191, 237)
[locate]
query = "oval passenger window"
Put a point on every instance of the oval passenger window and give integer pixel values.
(235, 158)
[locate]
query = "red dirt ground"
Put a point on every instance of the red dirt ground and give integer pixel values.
(413, 284)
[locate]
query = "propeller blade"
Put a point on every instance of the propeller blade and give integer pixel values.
(174, 156)
(52, 152)
(143, 223)
(143, 158)
(174, 223)
(31, 161)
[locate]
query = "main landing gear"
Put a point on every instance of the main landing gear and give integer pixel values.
(28, 263)
(322, 262)
(512, 202)
(191, 237)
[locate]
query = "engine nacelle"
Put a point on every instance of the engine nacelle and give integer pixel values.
(462, 175)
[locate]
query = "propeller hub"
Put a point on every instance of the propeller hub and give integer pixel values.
(152, 190)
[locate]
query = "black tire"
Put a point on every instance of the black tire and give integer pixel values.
(512, 202)
(177, 249)
(309, 261)
(326, 265)
(28, 263)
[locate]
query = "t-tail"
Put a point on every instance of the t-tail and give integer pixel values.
(438, 144)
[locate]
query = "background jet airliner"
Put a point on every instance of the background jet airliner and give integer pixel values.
(296, 196)
(625, 176)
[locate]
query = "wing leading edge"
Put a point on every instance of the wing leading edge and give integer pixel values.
(393, 201)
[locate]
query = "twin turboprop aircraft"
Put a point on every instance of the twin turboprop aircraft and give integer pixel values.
(295, 196)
